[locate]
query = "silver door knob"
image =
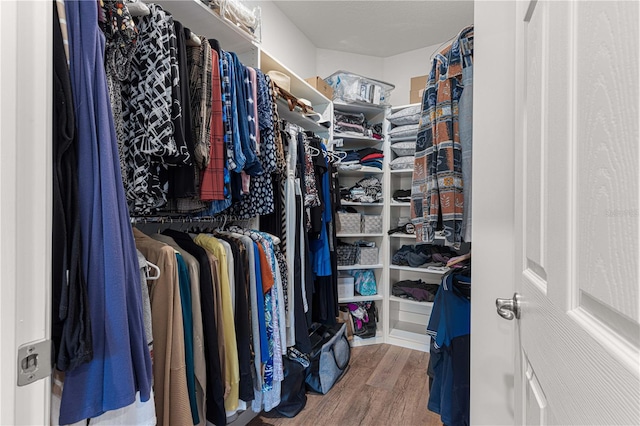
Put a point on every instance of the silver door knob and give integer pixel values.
(509, 308)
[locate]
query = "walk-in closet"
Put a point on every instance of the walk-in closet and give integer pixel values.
(237, 212)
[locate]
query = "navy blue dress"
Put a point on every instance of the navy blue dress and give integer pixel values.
(121, 364)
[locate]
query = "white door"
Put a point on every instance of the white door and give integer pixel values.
(25, 203)
(577, 213)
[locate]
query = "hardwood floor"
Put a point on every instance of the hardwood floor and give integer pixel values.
(385, 385)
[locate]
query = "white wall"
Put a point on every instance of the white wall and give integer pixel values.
(284, 41)
(399, 69)
(330, 61)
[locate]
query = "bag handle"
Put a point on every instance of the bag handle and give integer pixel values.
(341, 367)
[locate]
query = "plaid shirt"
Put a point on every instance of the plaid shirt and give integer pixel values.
(212, 187)
(225, 81)
(437, 187)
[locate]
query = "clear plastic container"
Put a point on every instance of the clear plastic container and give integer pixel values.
(244, 17)
(353, 88)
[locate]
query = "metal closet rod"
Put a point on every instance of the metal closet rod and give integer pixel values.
(187, 219)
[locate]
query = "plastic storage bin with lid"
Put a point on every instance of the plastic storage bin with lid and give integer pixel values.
(353, 88)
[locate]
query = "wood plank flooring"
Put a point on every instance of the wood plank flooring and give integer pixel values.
(385, 385)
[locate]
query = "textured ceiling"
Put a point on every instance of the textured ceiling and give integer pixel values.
(378, 28)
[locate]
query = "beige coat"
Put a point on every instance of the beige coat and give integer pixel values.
(169, 367)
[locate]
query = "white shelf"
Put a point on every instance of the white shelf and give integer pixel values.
(358, 138)
(393, 140)
(400, 107)
(367, 109)
(410, 302)
(360, 172)
(355, 203)
(409, 335)
(202, 20)
(401, 172)
(360, 298)
(351, 267)
(357, 235)
(411, 329)
(422, 270)
(413, 236)
(402, 235)
(357, 341)
(299, 87)
(298, 118)
(396, 204)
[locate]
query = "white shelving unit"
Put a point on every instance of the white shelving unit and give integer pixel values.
(407, 319)
(348, 178)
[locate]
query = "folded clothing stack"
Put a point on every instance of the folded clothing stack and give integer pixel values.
(408, 115)
(412, 255)
(403, 136)
(367, 190)
(419, 254)
(405, 132)
(355, 124)
(415, 290)
(402, 195)
(406, 123)
(358, 160)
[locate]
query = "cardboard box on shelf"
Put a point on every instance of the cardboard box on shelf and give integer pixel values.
(415, 96)
(418, 83)
(321, 86)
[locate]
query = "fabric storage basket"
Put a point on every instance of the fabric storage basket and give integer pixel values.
(367, 256)
(349, 223)
(347, 254)
(371, 224)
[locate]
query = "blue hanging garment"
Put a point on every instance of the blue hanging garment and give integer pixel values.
(121, 364)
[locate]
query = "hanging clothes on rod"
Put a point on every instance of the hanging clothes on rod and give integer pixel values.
(196, 148)
(449, 327)
(214, 384)
(121, 365)
(437, 189)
